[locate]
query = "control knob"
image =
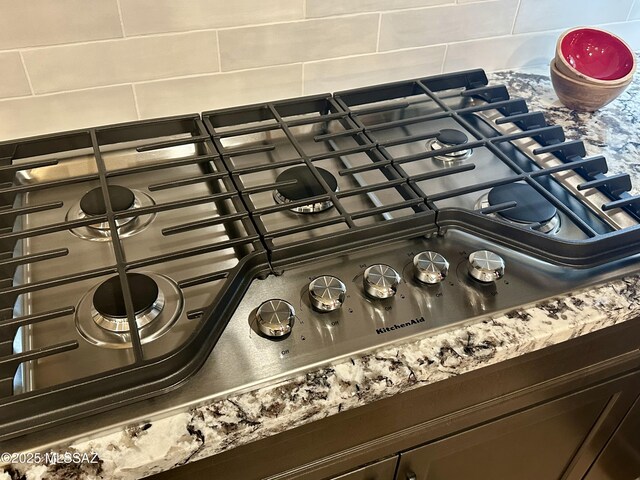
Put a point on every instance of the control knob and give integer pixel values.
(486, 266)
(430, 267)
(326, 293)
(381, 281)
(275, 317)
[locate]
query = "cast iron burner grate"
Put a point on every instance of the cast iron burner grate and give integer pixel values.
(45, 261)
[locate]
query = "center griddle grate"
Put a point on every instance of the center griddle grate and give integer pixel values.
(260, 142)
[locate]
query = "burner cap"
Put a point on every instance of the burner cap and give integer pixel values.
(108, 299)
(306, 184)
(451, 137)
(92, 203)
(532, 207)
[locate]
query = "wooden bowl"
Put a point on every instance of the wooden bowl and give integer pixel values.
(594, 56)
(581, 96)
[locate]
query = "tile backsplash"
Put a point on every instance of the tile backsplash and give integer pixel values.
(76, 63)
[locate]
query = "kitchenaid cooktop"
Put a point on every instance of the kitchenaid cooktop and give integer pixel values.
(249, 244)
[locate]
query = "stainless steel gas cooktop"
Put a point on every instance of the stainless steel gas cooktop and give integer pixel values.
(249, 244)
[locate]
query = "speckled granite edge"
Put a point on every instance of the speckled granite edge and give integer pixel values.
(170, 442)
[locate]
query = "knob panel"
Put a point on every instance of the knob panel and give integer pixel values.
(327, 293)
(381, 281)
(486, 266)
(275, 317)
(430, 267)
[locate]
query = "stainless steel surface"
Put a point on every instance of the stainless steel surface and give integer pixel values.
(430, 267)
(386, 301)
(275, 317)
(100, 350)
(486, 266)
(380, 281)
(327, 293)
(243, 360)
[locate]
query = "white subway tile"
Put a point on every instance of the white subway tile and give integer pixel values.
(324, 8)
(297, 41)
(539, 15)
(446, 24)
(156, 16)
(514, 51)
(196, 94)
(26, 116)
(363, 70)
(93, 64)
(14, 81)
(31, 23)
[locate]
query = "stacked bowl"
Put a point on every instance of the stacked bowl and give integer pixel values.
(591, 68)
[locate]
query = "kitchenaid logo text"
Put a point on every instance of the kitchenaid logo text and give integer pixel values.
(398, 326)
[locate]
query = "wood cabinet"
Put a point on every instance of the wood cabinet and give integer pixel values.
(380, 470)
(547, 441)
(620, 459)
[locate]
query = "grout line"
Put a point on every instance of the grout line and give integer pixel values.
(379, 28)
(120, 17)
(219, 55)
(65, 92)
(357, 55)
(105, 40)
(304, 8)
(135, 101)
(26, 73)
(633, 4)
(444, 57)
(515, 17)
(208, 74)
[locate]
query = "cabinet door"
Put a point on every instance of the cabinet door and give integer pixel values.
(547, 441)
(382, 470)
(621, 457)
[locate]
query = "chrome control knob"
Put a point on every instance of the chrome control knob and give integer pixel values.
(430, 267)
(381, 281)
(486, 266)
(327, 293)
(275, 317)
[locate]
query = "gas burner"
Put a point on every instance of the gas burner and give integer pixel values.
(109, 304)
(532, 208)
(122, 199)
(446, 138)
(306, 186)
(101, 316)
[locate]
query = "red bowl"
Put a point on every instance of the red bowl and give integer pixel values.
(597, 54)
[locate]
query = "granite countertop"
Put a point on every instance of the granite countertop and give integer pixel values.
(142, 450)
